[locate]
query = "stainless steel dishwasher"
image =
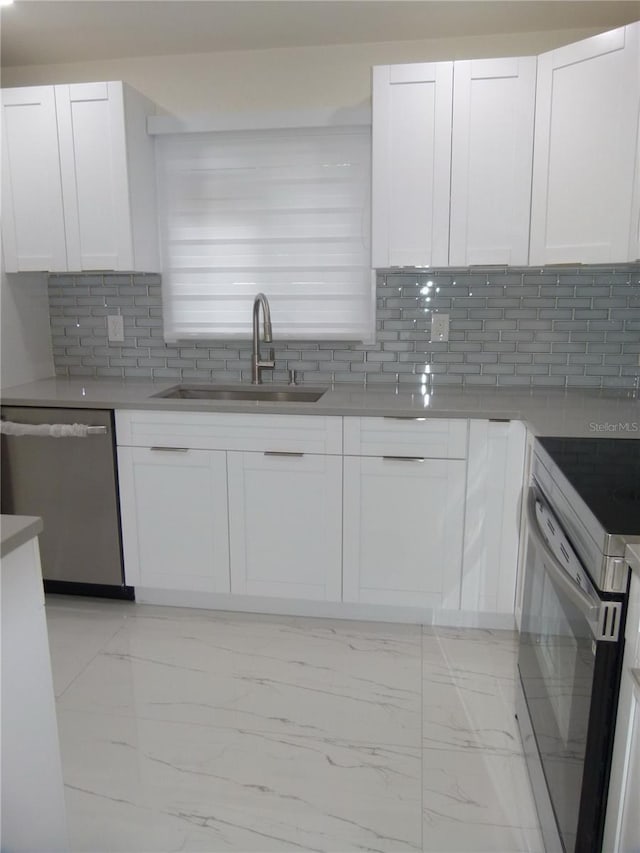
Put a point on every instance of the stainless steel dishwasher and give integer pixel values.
(72, 484)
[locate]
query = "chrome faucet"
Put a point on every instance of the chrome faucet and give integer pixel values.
(258, 364)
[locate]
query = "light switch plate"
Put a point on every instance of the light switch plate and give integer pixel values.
(115, 328)
(439, 327)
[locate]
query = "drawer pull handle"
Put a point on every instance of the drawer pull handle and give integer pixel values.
(282, 453)
(171, 449)
(402, 418)
(403, 458)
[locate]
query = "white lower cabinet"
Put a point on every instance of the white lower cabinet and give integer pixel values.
(402, 539)
(408, 512)
(492, 521)
(622, 826)
(404, 494)
(285, 519)
(174, 518)
(232, 503)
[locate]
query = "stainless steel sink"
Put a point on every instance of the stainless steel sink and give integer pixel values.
(273, 393)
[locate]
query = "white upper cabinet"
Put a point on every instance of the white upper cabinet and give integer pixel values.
(452, 159)
(411, 164)
(85, 148)
(32, 213)
(108, 177)
(586, 151)
(491, 160)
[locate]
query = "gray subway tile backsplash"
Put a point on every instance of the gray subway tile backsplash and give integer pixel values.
(529, 327)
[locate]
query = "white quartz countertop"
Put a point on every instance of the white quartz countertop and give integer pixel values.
(575, 412)
(15, 530)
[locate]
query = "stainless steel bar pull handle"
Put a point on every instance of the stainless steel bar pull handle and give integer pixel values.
(51, 430)
(171, 449)
(282, 453)
(403, 458)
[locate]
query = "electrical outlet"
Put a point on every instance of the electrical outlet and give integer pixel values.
(439, 327)
(115, 328)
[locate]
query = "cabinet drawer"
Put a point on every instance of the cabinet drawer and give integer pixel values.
(433, 438)
(230, 431)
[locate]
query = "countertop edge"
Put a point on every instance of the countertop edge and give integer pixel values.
(575, 412)
(15, 530)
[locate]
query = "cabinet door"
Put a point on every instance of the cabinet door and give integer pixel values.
(587, 102)
(494, 490)
(622, 825)
(491, 160)
(285, 512)
(32, 215)
(629, 830)
(411, 164)
(174, 518)
(93, 158)
(403, 528)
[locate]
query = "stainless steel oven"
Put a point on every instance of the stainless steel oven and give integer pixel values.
(571, 641)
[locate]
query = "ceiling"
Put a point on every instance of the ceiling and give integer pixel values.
(43, 32)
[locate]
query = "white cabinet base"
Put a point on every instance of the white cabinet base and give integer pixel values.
(492, 522)
(33, 807)
(402, 538)
(285, 517)
(174, 518)
(326, 609)
(622, 826)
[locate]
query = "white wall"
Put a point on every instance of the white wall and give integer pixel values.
(25, 333)
(336, 76)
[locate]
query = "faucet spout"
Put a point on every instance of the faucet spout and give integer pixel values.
(257, 362)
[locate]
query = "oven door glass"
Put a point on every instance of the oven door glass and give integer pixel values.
(557, 664)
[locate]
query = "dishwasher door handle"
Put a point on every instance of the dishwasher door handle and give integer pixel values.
(51, 430)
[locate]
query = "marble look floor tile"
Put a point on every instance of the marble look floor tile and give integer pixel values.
(470, 652)
(476, 793)
(208, 731)
(469, 690)
(471, 713)
(476, 802)
(354, 681)
(135, 784)
(78, 629)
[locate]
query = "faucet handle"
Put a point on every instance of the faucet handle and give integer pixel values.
(268, 362)
(293, 377)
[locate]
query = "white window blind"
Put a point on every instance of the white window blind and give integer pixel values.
(286, 212)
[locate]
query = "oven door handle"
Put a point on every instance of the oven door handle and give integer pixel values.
(581, 600)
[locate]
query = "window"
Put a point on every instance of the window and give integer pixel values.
(286, 212)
